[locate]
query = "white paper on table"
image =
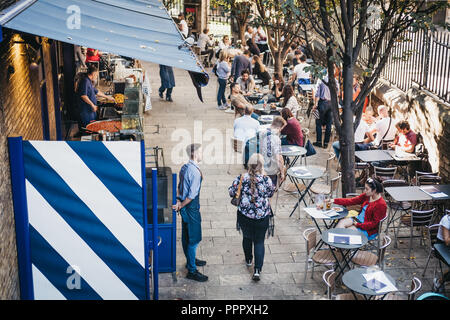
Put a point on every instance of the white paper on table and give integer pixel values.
(317, 214)
(381, 276)
(353, 239)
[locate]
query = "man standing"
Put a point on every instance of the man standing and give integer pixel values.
(184, 29)
(240, 63)
(167, 82)
(322, 102)
(188, 204)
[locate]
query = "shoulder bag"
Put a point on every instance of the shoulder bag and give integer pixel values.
(237, 198)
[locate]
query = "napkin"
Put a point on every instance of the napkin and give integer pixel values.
(352, 213)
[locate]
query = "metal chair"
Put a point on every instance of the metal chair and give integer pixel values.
(422, 173)
(394, 205)
(416, 285)
(367, 258)
(415, 218)
(426, 180)
(238, 146)
(327, 189)
(385, 173)
(320, 257)
(432, 238)
(329, 277)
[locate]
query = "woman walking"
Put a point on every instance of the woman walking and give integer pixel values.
(223, 73)
(254, 210)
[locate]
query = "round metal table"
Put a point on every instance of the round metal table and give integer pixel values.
(293, 151)
(294, 175)
(345, 249)
(355, 281)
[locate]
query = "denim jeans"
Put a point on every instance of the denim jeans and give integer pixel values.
(326, 119)
(254, 232)
(221, 93)
(337, 149)
(189, 250)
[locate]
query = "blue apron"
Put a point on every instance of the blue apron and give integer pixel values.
(191, 213)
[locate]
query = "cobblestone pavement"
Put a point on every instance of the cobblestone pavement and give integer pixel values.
(285, 254)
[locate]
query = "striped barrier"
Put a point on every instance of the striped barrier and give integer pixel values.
(80, 210)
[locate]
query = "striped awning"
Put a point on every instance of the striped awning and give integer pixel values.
(141, 29)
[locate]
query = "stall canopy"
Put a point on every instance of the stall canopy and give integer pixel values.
(141, 29)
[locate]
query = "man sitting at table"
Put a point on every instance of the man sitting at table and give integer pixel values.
(245, 126)
(246, 82)
(237, 98)
(373, 209)
(407, 139)
(384, 127)
(240, 111)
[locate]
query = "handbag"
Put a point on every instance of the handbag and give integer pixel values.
(237, 198)
(310, 149)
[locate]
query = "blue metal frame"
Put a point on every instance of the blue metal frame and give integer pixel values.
(21, 217)
(144, 212)
(155, 261)
(174, 220)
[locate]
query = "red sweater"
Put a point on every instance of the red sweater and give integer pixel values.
(293, 131)
(375, 211)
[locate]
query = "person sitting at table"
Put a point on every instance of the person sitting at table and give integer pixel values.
(407, 139)
(289, 99)
(237, 98)
(373, 206)
(245, 126)
(300, 75)
(250, 38)
(363, 136)
(205, 43)
(246, 82)
(260, 71)
(296, 60)
(278, 85)
(290, 55)
(223, 45)
(384, 127)
(241, 62)
(292, 129)
(240, 111)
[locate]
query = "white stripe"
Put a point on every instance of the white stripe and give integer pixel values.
(44, 289)
(64, 240)
(94, 194)
(128, 153)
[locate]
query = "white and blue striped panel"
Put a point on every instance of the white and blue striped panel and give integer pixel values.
(85, 208)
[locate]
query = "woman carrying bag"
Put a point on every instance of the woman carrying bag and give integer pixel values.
(253, 189)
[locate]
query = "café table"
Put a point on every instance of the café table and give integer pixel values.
(444, 251)
(293, 151)
(310, 174)
(307, 87)
(355, 281)
(373, 155)
(347, 251)
(266, 119)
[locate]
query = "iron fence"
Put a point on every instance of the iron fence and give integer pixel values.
(421, 58)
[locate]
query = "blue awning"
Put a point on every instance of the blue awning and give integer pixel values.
(141, 29)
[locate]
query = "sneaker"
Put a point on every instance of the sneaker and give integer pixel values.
(161, 95)
(229, 110)
(248, 263)
(325, 145)
(221, 107)
(256, 275)
(169, 99)
(197, 276)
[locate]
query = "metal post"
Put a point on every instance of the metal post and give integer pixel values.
(174, 219)
(145, 225)
(155, 231)
(21, 217)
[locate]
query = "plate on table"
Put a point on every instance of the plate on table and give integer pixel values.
(338, 209)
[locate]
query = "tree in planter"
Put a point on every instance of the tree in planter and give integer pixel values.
(347, 26)
(240, 10)
(279, 19)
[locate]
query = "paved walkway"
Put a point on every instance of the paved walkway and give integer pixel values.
(183, 122)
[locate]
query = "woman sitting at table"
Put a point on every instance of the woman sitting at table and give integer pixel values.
(278, 85)
(292, 129)
(373, 209)
(260, 71)
(289, 99)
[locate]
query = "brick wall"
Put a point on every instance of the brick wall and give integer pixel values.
(20, 114)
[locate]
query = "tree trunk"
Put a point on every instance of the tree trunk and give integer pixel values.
(242, 33)
(347, 138)
(278, 63)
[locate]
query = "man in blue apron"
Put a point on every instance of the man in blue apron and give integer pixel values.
(188, 204)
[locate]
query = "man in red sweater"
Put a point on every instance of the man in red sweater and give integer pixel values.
(373, 209)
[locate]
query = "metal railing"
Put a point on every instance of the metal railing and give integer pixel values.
(421, 58)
